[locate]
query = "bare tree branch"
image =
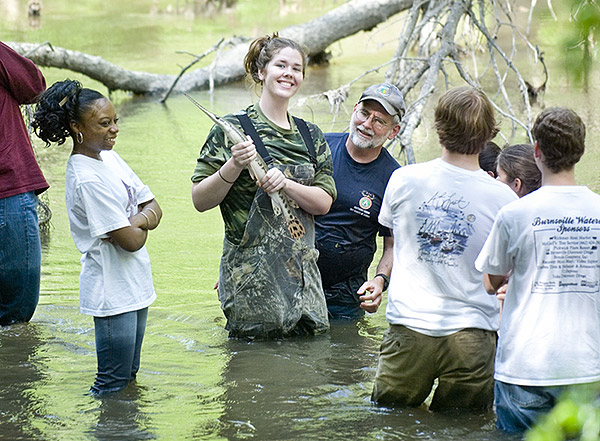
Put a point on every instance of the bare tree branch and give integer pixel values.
(494, 46)
(194, 61)
(447, 48)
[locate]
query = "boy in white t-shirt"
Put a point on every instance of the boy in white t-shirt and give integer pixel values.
(549, 242)
(442, 322)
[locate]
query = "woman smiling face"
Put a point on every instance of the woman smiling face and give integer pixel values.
(283, 75)
(98, 127)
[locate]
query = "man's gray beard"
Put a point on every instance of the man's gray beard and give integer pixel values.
(375, 142)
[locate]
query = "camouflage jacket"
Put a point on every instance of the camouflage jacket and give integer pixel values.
(285, 147)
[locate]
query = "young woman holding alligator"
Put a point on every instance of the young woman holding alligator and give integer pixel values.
(269, 284)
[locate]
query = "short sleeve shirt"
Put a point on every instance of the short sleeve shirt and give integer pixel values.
(550, 329)
(100, 198)
(352, 220)
(440, 215)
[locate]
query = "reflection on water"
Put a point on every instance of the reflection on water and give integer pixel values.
(20, 373)
(319, 388)
(328, 374)
(119, 417)
(306, 388)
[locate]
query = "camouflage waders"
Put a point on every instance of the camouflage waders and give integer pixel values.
(269, 284)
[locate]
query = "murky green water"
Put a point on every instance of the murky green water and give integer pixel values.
(194, 383)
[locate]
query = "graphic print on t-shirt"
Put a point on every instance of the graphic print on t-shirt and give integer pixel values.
(364, 204)
(444, 229)
(567, 255)
(131, 204)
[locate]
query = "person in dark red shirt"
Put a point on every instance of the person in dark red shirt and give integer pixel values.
(21, 180)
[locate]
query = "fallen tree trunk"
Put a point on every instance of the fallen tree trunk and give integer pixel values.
(316, 35)
(433, 36)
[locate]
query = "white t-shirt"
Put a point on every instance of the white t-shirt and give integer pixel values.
(550, 331)
(440, 215)
(100, 197)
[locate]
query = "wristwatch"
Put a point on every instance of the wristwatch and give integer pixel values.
(386, 280)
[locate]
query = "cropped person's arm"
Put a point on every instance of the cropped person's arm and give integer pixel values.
(133, 237)
(20, 76)
(492, 282)
(153, 211)
(313, 200)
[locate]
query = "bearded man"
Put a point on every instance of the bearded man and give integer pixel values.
(346, 236)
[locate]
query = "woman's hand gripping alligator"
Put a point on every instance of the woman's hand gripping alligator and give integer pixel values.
(282, 203)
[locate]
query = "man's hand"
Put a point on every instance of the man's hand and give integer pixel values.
(371, 294)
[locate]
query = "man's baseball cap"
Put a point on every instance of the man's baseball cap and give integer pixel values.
(387, 95)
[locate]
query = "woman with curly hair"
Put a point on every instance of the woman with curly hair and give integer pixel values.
(110, 213)
(269, 283)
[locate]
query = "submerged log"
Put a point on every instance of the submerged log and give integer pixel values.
(317, 35)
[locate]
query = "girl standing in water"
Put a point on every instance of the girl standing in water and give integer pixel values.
(110, 213)
(269, 283)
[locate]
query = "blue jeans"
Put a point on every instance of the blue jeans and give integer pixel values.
(345, 312)
(343, 271)
(20, 258)
(118, 348)
(519, 407)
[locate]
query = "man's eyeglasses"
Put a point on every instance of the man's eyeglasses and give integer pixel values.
(363, 116)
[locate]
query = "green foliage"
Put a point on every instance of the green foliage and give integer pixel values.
(580, 41)
(575, 416)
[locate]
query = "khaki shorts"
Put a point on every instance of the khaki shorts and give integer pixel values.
(410, 362)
